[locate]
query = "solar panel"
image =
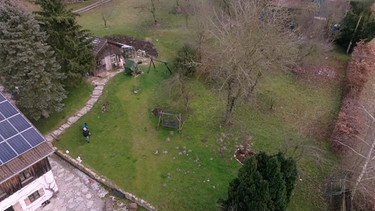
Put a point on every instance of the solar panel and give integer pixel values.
(7, 109)
(19, 144)
(17, 135)
(19, 123)
(33, 137)
(6, 130)
(6, 153)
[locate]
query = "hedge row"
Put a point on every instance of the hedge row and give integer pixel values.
(350, 121)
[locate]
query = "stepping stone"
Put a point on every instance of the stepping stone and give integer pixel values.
(69, 178)
(72, 119)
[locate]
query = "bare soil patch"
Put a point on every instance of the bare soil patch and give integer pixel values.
(138, 44)
(319, 72)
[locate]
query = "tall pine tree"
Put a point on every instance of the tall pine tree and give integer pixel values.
(28, 69)
(71, 43)
(358, 24)
(264, 183)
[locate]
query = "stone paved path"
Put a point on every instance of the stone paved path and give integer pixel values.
(77, 192)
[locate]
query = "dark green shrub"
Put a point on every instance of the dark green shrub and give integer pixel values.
(264, 183)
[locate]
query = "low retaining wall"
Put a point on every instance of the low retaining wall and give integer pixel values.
(118, 191)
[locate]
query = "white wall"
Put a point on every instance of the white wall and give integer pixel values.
(47, 182)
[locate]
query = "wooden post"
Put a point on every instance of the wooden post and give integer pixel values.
(355, 30)
(160, 117)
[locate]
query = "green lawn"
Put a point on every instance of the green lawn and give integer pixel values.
(125, 139)
(192, 170)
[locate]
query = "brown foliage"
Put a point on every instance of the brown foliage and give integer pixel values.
(359, 69)
(347, 126)
(350, 119)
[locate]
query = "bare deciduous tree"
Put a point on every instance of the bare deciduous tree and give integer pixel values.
(106, 12)
(359, 162)
(244, 44)
(186, 8)
(151, 8)
(180, 91)
(153, 11)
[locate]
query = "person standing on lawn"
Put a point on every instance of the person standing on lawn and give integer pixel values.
(86, 134)
(85, 126)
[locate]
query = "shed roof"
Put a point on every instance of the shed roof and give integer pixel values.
(21, 144)
(98, 44)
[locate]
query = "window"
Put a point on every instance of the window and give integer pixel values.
(34, 196)
(113, 59)
(25, 177)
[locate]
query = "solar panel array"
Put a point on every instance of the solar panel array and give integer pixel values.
(17, 135)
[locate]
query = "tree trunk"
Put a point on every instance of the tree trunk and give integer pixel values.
(230, 106)
(153, 11)
(105, 22)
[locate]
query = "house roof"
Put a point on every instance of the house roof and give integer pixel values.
(98, 44)
(21, 144)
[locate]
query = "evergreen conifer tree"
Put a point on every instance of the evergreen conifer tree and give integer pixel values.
(71, 43)
(28, 69)
(358, 24)
(264, 183)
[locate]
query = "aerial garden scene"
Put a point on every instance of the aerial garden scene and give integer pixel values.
(223, 89)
